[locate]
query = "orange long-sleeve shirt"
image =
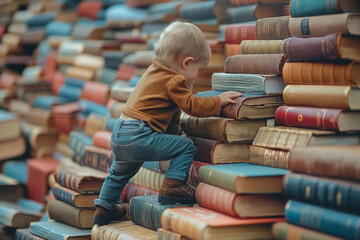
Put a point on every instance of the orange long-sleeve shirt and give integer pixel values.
(161, 94)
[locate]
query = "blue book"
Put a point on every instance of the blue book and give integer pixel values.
(341, 224)
(24, 234)
(122, 12)
(74, 82)
(197, 11)
(134, 80)
(244, 178)
(70, 92)
(58, 29)
(16, 170)
(40, 20)
(333, 193)
(78, 141)
(46, 102)
(241, 14)
(88, 107)
(113, 58)
(58, 231)
(106, 75)
(303, 8)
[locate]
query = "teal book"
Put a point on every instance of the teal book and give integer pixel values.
(70, 92)
(46, 102)
(21, 213)
(113, 58)
(58, 231)
(333, 193)
(303, 8)
(337, 223)
(121, 12)
(78, 141)
(248, 83)
(106, 75)
(88, 107)
(58, 29)
(244, 178)
(146, 211)
(163, 8)
(40, 20)
(241, 14)
(74, 82)
(24, 234)
(199, 10)
(16, 170)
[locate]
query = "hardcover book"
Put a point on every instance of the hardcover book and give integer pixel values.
(102, 139)
(148, 178)
(132, 190)
(59, 231)
(24, 234)
(244, 178)
(74, 198)
(235, 34)
(262, 47)
(269, 157)
(274, 28)
(97, 158)
(10, 189)
(9, 126)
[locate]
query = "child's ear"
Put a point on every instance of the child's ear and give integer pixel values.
(186, 62)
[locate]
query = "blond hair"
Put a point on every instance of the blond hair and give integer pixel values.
(181, 39)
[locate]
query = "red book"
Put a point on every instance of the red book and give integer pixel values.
(57, 83)
(194, 178)
(96, 92)
(37, 177)
(64, 116)
(318, 118)
(102, 139)
(8, 80)
(133, 190)
(90, 9)
(49, 70)
(126, 72)
(237, 33)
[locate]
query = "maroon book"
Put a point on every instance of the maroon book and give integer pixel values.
(237, 33)
(194, 178)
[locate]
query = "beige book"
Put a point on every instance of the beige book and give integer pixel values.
(89, 61)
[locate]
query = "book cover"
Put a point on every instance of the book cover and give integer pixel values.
(16, 169)
(269, 157)
(59, 231)
(74, 198)
(78, 141)
(235, 34)
(337, 223)
(24, 234)
(96, 92)
(262, 47)
(102, 139)
(300, 8)
(274, 28)
(200, 223)
(244, 177)
(88, 107)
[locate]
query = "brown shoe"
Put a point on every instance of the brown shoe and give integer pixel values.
(104, 216)
(175, 191)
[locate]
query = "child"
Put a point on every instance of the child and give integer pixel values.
(149, 127)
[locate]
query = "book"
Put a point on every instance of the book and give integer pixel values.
(217, 152)
(253, 12)
(248, 106)
(79, 72)
(146, 211)
(344, 23)
(284, 231)
(39, 137)
(40, 117)
(324, 48)
(269, 157)
(97, 158)
(122, 230)
(286, 138)
(74, 198)
(19, 214)
(200, 223)
(120, 93)
(237, 33)
(89, 9)
(16, 169)
(132, 190)
(102, 139)
(301, 8)
(68, 214)
(341, 195)
(238, 205)
(329, 161)
(148, 178)
(9, 126)
(10, 188)
(97, 92)
(37, 181)
(340, 224)
(308, 117)
(24, 234)
(248, 83)
(12, 148)
(167, 235)
(243, 178)
(255, 64)
(274, 28)
(88, 107)
(262, 47)
(340, 97)
(59, 231)
(194, 178)
(97, 122)
(77, 142)
(79, 178)
(199, 10)
(220, 128)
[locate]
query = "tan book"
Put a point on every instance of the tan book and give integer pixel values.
(129, 47)
(40, 117)
(143, 58)
(269, 157)
(9, 126)
(13, 41)
(286, 138)
(12, 148)
(56, 41)
(80, 72)
(221, 129)
(95, 123)
(39, 137)
(341, 97)
(121, 93)
(262, 46)
(122, 230)
(17, 28)
(89, 61)
(148, 178)
(346, 23)
(169, 235)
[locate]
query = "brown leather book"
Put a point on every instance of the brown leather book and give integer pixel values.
(269, 157)
(255, 63)
(221, 129)
(275, 28)
(97, 158)
(330, 161)
(74, 198)
(217, 152)
(341, 97)
(322, 73)
(346, 23)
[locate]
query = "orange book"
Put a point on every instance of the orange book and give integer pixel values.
(321, 73)
(96, 92)
(200, 223)
(232, 49)
(102, 139)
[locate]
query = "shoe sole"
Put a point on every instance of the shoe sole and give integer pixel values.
(104, 221)
(172, 201)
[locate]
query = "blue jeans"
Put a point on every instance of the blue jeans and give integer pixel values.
(132, 143)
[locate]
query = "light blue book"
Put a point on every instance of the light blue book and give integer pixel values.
(58, 29)
(58, 231)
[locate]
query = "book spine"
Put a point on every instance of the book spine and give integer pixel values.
(262, 46)
(203, 10)
(78, 141)
(102, 139)
(88, 107)
(133, 190)
(308, 117)
(319, 73)
(204, 149)
(317, 163)
(241, 14)
(236, 34)
(95, 123)
(70, 92)
(216, 199)
(311, 49)
(67, 180)
(300, 8)
(254, 63)
(337, 194)
(96, 92)
(63, 196)
(97, 160)
(194, 178)
(101, 232)
(269, 157)
(275, 28)
(148, 179)
(321, 219)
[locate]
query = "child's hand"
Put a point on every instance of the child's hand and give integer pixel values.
(227, 97)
